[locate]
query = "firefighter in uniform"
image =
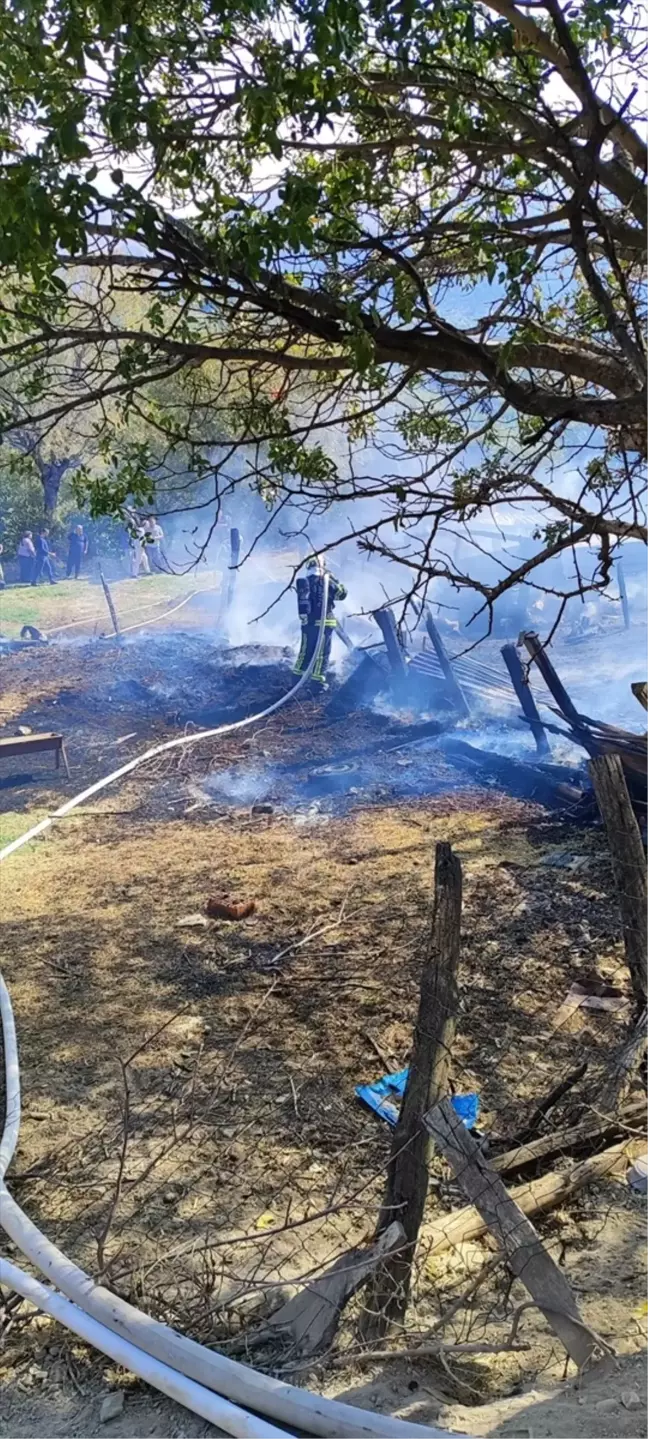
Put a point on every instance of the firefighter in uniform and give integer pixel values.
(310, 594)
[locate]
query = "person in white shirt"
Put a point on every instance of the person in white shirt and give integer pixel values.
(26, 555)
(154, 546)
(139, 557)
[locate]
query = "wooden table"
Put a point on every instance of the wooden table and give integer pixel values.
(31, 744)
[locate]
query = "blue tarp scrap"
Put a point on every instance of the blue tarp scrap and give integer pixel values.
(384, 1098)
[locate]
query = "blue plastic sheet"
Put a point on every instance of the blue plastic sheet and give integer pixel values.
(385, 1095)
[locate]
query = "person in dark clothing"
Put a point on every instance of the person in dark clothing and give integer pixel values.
(44, 557)
(77, 550)
(310, 594)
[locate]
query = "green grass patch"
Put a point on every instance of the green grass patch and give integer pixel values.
(15, 822)
(48, 606)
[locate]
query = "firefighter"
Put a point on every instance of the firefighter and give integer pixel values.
(310, 595)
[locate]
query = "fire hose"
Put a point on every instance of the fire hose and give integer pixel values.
(208, 1383)
(171, 744)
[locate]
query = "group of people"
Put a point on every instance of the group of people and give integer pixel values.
(35, 556)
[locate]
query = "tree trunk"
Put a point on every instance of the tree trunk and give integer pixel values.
(51, 474)
(407, 1175)
(628, 863)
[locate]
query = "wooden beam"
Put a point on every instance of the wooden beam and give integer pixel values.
(387, 626)
(566, 706)
(571, 1138)
(520, 682)
(458, 697)
(341, 632)
(628, 863)
(537, 1196)
(309, 1320)
(526, 1255)
(407, 1174)
(235, 552)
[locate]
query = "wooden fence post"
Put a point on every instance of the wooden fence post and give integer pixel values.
(387, 626)
(623, 594)
(628, 863)
(458, 697)
(109, 601)
(523, 691)
(407, 1175)
(553, 682)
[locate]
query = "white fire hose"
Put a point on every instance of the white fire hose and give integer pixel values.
(210, 1384)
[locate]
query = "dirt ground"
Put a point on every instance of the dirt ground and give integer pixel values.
(191, 1130)
(609, 1406)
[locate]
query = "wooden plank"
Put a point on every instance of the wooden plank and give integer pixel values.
(407, 1173)
(628, 863)
(520, 682)
(228, 591)
(310, 1319)
(521, 1243)
(458, 697)
(24, 744)
(342, 634)
(530, 781)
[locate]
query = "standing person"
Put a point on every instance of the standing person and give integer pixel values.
(2, 578)
(154, 546)
(26, 557)
(77, 550)
(310, 595)
(139, 557)
(44, 557)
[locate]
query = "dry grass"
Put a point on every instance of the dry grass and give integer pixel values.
(249, 1160)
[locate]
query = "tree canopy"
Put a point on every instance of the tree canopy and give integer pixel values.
(422, 223)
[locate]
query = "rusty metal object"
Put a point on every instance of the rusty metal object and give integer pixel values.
(223, 906)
